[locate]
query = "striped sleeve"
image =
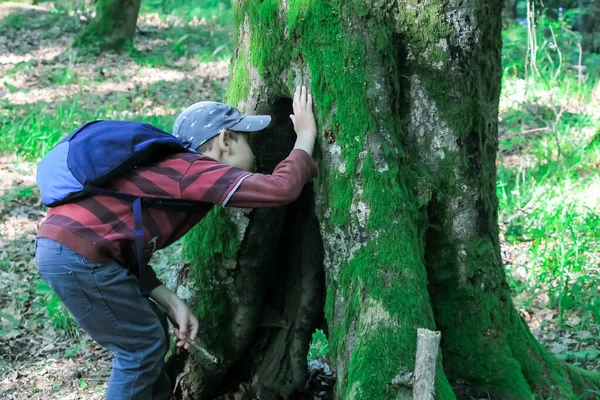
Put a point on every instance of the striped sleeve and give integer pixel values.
(211, 182)
(282, 187)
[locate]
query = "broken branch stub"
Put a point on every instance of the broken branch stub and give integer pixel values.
(428, 343)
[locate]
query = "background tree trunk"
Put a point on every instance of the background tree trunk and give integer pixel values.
(590, 28)
(113, 26)
(510, 9)
(406, 98)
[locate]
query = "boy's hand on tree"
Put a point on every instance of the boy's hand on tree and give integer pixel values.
(304, 120)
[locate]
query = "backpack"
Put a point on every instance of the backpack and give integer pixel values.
(97, 153)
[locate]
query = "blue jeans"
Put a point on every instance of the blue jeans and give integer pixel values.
(106, 302)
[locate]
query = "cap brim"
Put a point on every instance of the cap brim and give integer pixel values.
(252, 123)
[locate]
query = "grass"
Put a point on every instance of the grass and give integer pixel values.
(548, 182)
(32, 130)
(319, 347)
(56, 311)
(199, 31)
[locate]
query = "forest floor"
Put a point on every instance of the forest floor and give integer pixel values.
(43, 354)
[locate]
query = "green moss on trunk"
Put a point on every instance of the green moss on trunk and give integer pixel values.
(212, 247)
(406, 96)
(113, 27)
(384, 283)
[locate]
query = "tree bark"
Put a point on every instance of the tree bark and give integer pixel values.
(510, 9)
(406, 98)
(113, 27)
(590, 28)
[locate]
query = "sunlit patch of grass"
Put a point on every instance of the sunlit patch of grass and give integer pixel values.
(55, 309)
(43, 101)
(319, 346)
(199, 34)
(31, 130)
(550, 211)
(548, 183)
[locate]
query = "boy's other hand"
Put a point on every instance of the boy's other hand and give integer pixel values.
(188, 324)
(179, 312)
(304, 119)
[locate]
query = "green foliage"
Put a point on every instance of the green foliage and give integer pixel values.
(211, 247)
(55, 309)
(557, 52)
(32, 130)
(17, 193)
(560, 224)
(203, 31)
(550, 197)
(82, 383)
(194, 8)
(319, 347)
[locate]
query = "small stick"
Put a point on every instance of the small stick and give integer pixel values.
(195, 345)
(425, 365)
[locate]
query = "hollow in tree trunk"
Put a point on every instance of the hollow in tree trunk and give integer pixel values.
(403, 217)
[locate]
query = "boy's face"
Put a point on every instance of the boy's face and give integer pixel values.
(240, 154)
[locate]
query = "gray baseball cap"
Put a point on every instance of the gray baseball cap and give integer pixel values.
(202, 121)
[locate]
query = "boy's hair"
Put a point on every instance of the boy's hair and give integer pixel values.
(208, 145)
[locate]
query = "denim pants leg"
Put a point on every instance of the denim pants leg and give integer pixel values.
(106, 302)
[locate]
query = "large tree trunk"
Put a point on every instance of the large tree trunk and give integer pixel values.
(113, 27)
(406, 98)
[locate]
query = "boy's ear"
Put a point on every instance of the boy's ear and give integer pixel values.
(224, 139)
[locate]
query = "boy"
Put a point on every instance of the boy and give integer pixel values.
(85, 249)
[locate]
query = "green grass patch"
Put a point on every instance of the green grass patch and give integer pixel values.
(32, 130)
(17, 193)
(55, 309)
(319, 346)
(548, 184)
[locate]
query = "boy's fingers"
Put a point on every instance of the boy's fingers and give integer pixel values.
(183, 329)
(303, 97)
(194, 329)
(293, 118)
(309, 101)
(296, 99)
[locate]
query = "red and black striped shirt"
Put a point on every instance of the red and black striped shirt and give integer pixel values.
(101, 228)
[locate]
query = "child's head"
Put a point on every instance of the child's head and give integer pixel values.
(219, 131)
(231, 148)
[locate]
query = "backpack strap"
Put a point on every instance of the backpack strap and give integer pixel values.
(139, 244)
(139, 230)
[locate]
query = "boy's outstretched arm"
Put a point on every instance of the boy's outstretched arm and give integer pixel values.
(286, 183)
(229, 186)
